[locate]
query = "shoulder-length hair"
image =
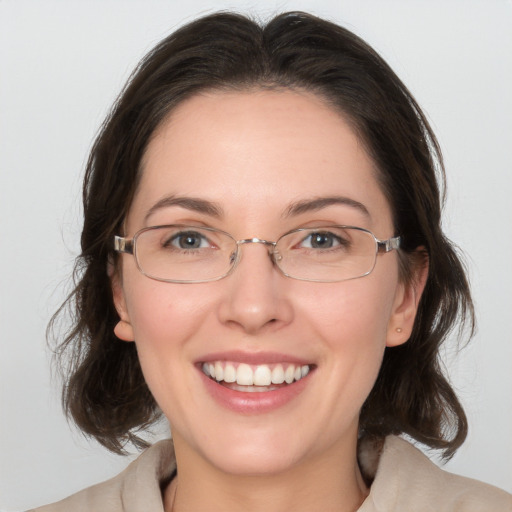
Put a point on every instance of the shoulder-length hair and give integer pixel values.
(105, 392)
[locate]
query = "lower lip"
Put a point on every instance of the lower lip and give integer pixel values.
(256, 402)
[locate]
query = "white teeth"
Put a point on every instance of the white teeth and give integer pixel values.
(219, 372)
(289, 374)
(252, 389)
(262, 376)
(229, 373)
(278, 375)
(258, 376)
(244, 375)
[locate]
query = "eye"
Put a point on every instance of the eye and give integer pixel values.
(322, 240)
(188, 240)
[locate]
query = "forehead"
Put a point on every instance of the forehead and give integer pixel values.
(257, 151)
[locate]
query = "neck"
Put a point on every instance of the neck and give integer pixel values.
(330, 481)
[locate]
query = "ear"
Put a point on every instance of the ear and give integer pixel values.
(407, 299)
(123, 329)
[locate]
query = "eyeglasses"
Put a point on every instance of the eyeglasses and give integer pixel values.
(180, 253)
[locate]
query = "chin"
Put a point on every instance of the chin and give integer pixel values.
(254, 460)
(249, 450)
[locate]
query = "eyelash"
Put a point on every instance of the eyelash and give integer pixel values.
(181, 234)
(335, 239)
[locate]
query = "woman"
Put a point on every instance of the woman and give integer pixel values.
(263, 264)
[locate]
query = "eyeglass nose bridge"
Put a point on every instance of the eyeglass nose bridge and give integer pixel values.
(272, 249)
(255, 241)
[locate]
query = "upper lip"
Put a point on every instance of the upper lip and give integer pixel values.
(254, 358)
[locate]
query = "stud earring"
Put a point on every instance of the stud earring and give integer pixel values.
(398, 329)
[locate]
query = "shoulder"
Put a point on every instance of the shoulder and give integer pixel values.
(136, 489)
(407, 480)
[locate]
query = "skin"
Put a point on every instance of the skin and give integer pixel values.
(253, 154)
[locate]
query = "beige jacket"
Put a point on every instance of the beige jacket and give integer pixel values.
(405, 481)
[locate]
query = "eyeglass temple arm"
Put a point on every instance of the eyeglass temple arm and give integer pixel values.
(122, 244)
(389, 245)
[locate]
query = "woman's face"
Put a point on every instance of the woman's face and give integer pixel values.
(253, 157)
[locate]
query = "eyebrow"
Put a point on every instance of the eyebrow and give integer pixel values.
(214, 210)
(319, 203)
(189, 203)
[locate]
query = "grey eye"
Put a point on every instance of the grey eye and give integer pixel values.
(188, 240)
(321, 240)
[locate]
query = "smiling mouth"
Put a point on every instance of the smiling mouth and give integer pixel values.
(254, 378)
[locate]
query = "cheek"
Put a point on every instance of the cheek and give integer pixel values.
(163, 312)
(164, 318)
(351, 319)
(361, 307)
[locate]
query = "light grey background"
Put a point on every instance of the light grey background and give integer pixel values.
(61, 65)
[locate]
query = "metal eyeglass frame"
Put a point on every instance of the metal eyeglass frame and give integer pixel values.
(128, 246)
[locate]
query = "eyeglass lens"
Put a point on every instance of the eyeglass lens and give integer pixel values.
(192, 254)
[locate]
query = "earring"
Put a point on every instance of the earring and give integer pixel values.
(398, 329)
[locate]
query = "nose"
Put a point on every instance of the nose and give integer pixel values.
(255, 297)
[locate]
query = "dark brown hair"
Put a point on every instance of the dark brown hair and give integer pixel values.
(105, 392)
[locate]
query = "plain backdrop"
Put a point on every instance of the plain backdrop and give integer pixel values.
(62, 63)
